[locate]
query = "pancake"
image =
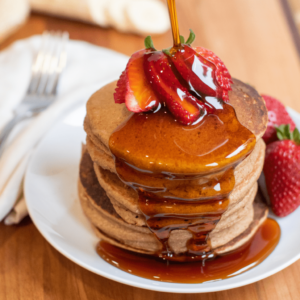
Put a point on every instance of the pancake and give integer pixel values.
(106, 161)
(139, 220)
(260, 215)
(246, 175)
(99, 156)
(104, 116)
(93, 138)
(111, 226)
(250, 107)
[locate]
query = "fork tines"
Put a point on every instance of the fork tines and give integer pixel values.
(50, 61)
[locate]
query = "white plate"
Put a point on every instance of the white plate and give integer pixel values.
(51, 195)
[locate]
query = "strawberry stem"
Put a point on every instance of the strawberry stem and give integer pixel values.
(284, 133)
(149, 43)
(174, 22)
(167, 51)
(191, 37)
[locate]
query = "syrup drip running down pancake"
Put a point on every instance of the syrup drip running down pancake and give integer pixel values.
(154, 152)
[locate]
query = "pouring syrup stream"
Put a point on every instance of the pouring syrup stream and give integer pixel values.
(174, 23)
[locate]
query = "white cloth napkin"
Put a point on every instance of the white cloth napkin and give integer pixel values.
(88, 68)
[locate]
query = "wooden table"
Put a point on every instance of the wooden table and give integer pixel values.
(254, 41)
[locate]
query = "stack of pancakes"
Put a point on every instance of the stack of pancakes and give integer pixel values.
(112, 207)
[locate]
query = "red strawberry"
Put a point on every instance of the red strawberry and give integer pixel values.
(133, 87)
(203, 71)
(183, 105)
(120, 91)
(223, 77)
(282, 171)
(277, 115)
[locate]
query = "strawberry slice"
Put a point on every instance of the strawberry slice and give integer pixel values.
(183, 105)
(195, 70)
(203, 71)
(120, 91)
(277, 115)
(133, 87)
(221, 73)
(140, 95)
(183, 80)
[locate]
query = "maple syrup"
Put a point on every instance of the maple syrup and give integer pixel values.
(183, 174)
(238, 261)
(174, 22)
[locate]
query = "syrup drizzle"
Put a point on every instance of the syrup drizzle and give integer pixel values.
(238, 261)
(183, 174)
(174, 22)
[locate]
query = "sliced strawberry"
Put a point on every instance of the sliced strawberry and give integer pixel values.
(184, 106)
(140, 96)
(133, 88)
(203, 71)
(277, 115)
(121, 88)
(223, 77)
(195, 70)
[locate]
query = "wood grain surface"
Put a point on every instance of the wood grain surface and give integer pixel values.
(253, 39)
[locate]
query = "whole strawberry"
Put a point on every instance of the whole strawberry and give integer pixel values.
(277, 115)
(282, 171)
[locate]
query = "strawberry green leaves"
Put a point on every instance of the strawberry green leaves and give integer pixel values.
(191, 37)
(149, 43)
(284, 133)
(277, 115)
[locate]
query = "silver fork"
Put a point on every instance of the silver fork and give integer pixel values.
(48, 65)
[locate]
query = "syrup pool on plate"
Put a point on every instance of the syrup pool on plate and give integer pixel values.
(244, 258)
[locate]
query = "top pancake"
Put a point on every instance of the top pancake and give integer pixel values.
(105, 116)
